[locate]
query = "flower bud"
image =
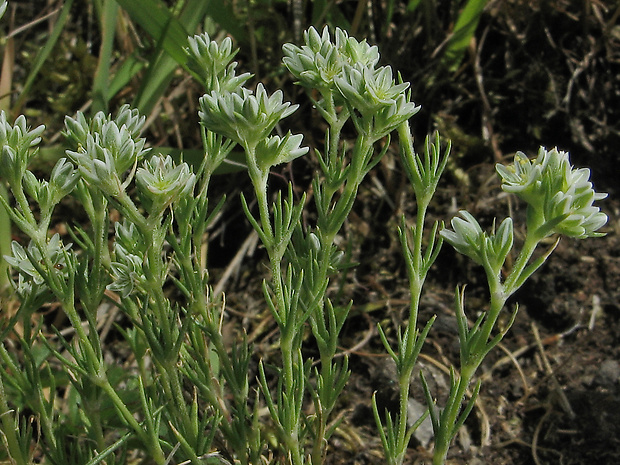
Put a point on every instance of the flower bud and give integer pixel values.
(162, 182)
(213, 63)
(276, 150)
(244, 116)
(487, 250)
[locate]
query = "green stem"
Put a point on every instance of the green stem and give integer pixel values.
(101, 253)
(289, 362)
(449, 416)
(5, 239)
(150, 441)
(499, 295)
(529, 246)
(8, 429)
(361, 154)
(330, 225)
(24, 207)
(408, 355)
(288, 315)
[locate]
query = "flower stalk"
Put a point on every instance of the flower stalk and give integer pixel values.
(560, 201)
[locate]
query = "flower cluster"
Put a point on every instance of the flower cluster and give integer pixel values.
(345, 71)
(213, 63)
(235, 112)
(560, 198)
(162, 182)
(31, 262)
(275, 150)
(246, 117)
(16, 142)
(63, 179)
(129, 248)
(106, 147)
(127, 272)
(317, 63)
(487, 250)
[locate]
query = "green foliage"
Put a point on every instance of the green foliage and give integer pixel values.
(463, 32)
(465, 23)
(187, 396)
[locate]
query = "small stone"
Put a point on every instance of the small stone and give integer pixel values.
(608, 374)
(424, 433)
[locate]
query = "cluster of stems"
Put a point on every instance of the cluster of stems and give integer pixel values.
(185, 394)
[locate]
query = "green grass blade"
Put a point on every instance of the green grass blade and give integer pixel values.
(109, 450)
(159, 74)
(170, 34)
(43, 55)
(6, 83)
(100, 90)
(224, 15)
(319, 10)
(413, 5)
(464, 29)
(127, 70)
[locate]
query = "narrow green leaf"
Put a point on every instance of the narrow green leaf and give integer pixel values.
(467, 410)
(464, 29)
(157, 20)
(382, 435)
(108, 450)
(100, 90)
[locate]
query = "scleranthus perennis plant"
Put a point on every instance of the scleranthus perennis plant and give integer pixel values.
(185, 394)
(559, 202)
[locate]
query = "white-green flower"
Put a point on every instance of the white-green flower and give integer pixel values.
(388, 118)
(315, 64)
(369, 90)
(356, 51)
(106, 148)
(127, 272)
(24, 260)
(320, 60)
(76, 129)
(63, 179)
(162, 182)
(16, 142)
(467, 237)
(560, 197)
(244, 116)
(129, 237)
(97, 166)
(275, 150)
(213, 62)
(488, 250)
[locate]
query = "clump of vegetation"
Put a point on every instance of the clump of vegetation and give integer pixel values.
(189, 395)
